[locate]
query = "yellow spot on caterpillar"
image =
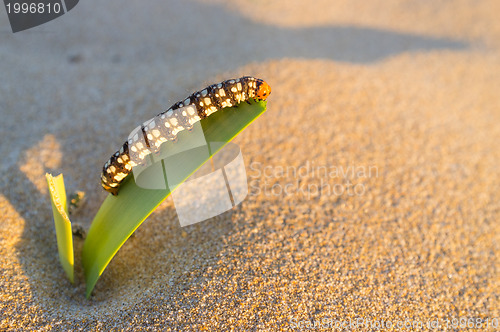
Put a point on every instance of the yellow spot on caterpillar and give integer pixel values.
(120, 176)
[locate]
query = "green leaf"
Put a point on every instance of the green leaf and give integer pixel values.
(62, 223)
(119, 216)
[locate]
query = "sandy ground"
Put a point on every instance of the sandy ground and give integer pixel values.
(404, 92)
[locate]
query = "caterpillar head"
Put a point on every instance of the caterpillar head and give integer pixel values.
(263, 90)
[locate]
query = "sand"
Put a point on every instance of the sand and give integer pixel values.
(402, 93)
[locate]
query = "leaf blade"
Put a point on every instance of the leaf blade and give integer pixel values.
(119, 216)
(62, 223)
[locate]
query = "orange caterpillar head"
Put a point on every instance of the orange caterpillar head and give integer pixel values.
(263, 90)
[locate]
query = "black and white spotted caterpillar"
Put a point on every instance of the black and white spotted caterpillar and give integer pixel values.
(181, 116)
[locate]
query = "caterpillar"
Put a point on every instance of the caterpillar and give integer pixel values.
(180, 116)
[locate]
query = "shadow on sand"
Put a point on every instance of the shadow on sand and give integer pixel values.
(243, 41)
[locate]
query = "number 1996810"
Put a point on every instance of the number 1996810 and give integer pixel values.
(33, 8)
